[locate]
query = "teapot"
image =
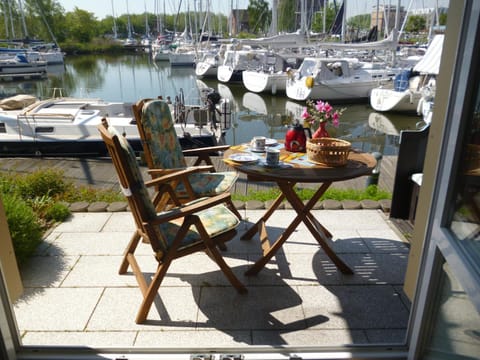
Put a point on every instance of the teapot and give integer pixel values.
(296, 137)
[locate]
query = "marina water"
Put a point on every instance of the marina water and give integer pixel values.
(131, 77)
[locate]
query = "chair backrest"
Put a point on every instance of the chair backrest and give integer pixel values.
(132, 183)
(161, 146)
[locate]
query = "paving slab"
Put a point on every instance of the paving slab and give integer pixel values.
(75, 296)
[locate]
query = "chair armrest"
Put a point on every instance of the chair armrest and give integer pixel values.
(178, 174)
(154, 173)
(191, 208)
(203, 150)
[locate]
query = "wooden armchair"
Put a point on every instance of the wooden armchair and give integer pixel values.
(201, 225)
(164, 155)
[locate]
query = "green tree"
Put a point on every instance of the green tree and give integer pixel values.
(442, 19)
(286, 15)
(45, 19)
(416, 24)
(259, 16)
(81, 25)
(317, 20)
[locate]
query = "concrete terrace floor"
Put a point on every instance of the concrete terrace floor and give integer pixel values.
(74, 295)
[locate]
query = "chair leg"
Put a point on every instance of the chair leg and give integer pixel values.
(233, 209)
(152, 291)
(132, 245)
(217, 257)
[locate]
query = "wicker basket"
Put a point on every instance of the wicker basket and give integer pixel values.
(328, 151)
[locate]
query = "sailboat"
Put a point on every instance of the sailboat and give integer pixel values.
(146, 41)
(413, 90)
(130, 40)
(340, 79)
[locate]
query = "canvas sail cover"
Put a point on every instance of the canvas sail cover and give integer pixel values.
(430, 63)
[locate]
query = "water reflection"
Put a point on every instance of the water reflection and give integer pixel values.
(132, 77)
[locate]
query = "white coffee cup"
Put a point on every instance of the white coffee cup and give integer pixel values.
(273, 157)
(258, 143)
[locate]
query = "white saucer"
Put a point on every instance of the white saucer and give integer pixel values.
(243, 158)
(257, 150)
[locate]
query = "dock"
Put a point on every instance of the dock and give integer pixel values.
(99, 172)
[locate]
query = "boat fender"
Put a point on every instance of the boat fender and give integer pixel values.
(419, 106)
(309, 82)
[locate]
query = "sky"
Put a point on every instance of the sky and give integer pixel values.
(103, 8)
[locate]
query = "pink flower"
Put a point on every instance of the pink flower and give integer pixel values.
(320, 106)
(305, 114)
(336, 119)
(328, 108)
(321, 111)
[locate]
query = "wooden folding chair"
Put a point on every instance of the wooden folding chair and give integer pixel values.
(164, 155)
(201, 225)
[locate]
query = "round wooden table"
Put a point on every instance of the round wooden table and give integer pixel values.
(295, 168)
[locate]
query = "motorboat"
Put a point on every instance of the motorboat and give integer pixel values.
(20, 67)
(414, 90)
(337, 79)
(68, 126)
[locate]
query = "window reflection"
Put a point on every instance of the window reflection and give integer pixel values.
(466, 219)
(455, 327)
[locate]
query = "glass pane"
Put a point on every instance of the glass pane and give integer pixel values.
(455, 326)
(466, 219)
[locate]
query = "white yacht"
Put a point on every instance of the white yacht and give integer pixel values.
(68, 126)
(209, 60)
(336, 79)
(413, 91)
(270, 77)
(236, 61)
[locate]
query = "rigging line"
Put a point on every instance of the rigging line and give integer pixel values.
(40, 10)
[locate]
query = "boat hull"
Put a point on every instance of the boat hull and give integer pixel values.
(181, 59)
(85, 148)
(383, 100)
(226, 74)
(69, 126)
(338, 91)
(262, 82)
(205, 70)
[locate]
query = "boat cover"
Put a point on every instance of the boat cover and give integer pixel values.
(17, 102)
(430, 63)
(401, 80)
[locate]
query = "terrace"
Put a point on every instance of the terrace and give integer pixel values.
(74, 295)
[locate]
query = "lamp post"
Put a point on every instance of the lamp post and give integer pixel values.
(373, 178)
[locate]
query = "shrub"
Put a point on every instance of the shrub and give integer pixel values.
(58, 212)
(84, 193)
(24, 225)
(44, 182)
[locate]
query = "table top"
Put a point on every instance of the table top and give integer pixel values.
(295, 167)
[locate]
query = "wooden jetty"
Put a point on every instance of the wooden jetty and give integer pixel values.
(99, 172)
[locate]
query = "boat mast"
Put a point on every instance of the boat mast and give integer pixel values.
(24, 24)
(114, 22)
(273, 25)
(11, 19)
(129, 25)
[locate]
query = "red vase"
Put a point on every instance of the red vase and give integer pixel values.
(321, 131)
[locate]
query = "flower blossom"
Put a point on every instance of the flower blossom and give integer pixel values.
(321, 111)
